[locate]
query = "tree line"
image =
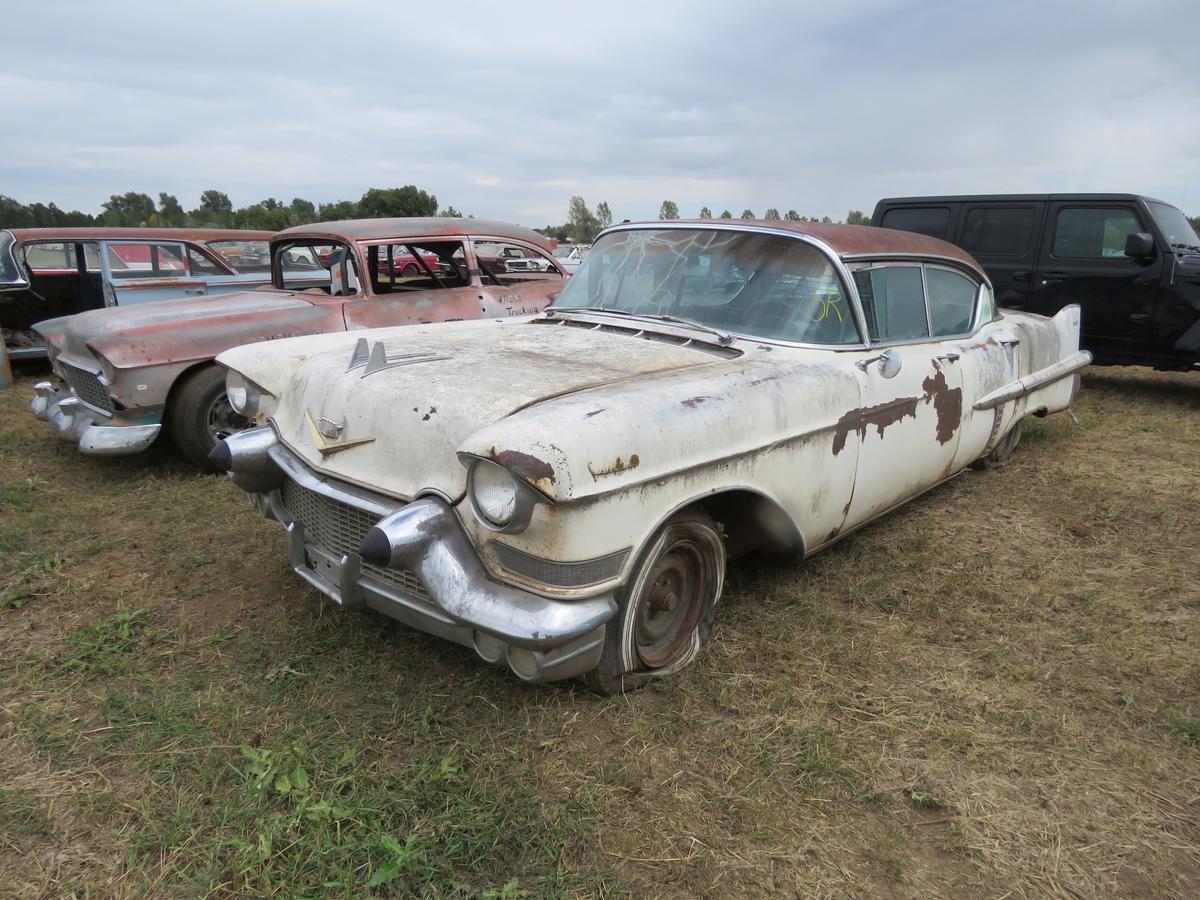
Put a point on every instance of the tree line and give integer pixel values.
(583, 225)
(215, 210)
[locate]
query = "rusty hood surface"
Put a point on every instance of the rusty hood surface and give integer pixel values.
(399, 428)
(174, 331)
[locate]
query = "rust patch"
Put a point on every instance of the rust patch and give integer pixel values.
(693, 402)
(947, 403)
(619, 466)
(528, 467)
(879, 416)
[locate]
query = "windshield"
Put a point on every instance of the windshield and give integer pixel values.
(1174, 225)
(765, 285)
(10, 273)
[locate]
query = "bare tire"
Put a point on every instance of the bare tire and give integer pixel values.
(200, 415)
(665, 611)
(410, 271)
(1002, 453)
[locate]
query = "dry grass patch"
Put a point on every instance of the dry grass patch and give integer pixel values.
(994, 690)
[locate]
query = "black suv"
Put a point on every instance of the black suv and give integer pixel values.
(1131, 262)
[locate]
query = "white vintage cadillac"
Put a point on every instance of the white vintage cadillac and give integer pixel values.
(561, 492)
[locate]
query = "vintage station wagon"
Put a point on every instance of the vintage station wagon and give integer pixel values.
(127, 373)
(561, 492)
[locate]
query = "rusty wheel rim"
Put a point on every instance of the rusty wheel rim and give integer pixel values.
(671, 606)
(223, 421)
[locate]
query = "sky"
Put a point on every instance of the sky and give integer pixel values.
(506, 110)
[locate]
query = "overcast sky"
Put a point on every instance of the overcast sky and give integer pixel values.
(507, 109)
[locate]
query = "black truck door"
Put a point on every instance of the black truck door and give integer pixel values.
(1083, 261)
(1003, 237)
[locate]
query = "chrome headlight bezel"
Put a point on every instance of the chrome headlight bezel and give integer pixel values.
(244, 395)
(523, 499)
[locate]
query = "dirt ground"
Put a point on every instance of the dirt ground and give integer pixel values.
(994, 691)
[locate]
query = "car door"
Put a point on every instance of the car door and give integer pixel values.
(1003, 237)
(1083, 261)
(448, 292)
(139, 271)
(516, 293)
(908, 425)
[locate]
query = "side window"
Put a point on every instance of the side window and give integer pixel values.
(930, 220)
(510, 264)
(309, 265)
(1093, 233)
(201, 264)
(951, 301)
(50, 257)
(134, 260)
(245, 256)
(416, 266)
(893, 300)
(997, 231)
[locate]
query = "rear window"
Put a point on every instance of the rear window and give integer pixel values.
(998, 231)
(930, 220)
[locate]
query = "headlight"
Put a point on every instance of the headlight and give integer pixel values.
(494, 492)
(244, 395)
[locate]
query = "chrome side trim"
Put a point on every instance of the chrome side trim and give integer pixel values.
(1035, 380)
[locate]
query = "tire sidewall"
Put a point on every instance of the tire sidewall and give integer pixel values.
(620, 668)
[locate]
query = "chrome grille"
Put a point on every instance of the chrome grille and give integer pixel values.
(339, 529)
(87, 387)
(559, 574)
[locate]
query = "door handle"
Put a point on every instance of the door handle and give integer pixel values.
(1010, 342)
(193, 290)
(1020, 276)
(1145, 279)
(1139, 317)
(949, 357)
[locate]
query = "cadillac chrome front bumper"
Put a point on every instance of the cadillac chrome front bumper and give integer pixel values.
(431, 578)
(75, 421)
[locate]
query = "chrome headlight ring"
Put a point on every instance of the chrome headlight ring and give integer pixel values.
(244, 395)
(499, 499)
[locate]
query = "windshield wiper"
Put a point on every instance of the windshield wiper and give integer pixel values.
(724, 338)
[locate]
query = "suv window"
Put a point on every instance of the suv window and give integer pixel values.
(1094, 233)
(930, 220)
(951, 301)
(997, 231)
(893, 300)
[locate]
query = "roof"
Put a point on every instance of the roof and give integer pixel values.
(415, 228)
(847, 240)
(1006, 198)
(179, 234)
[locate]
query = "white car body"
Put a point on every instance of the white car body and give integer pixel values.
(572, 255)
(610, 425)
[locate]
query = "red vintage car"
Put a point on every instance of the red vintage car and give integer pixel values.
(126, 373)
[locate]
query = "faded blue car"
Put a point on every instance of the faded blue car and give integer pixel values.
(50, 273)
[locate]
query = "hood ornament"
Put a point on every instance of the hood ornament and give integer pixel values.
(375, 358)
(325, 433)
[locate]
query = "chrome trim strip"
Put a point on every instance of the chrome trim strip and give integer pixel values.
(1031, 382)
(343, 493)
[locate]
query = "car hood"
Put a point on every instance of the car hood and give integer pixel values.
(182, 330)
(399, 428)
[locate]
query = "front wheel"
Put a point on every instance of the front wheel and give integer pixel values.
(200, 415)
(665, 611)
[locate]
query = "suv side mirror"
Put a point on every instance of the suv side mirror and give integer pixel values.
(1139, 245)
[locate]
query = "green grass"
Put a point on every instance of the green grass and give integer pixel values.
(992, 690)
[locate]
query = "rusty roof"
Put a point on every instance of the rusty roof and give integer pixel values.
(100, 233)
(851, 240)
(415, 228)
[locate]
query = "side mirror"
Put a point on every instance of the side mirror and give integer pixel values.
(1139, 245)
(889, 361)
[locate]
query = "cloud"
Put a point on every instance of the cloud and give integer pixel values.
(817, 107)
